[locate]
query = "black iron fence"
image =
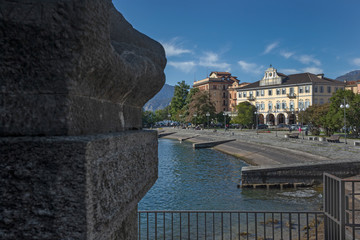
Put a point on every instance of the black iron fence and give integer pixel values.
(229, 225)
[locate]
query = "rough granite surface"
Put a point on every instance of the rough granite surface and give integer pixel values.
(70, 67)
(83, 187)
(74, 162)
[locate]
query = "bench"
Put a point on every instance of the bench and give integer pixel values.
(313, 138)
(357, 143)
(292, 135)
(334, 139)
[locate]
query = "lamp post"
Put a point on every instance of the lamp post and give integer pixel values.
(169, 115)
(344, 106)
(301, 126)
(195, 115)
(256, 120)
(276, 111)
(207, 116)
(224, 119)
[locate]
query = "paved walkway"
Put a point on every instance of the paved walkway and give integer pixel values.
(267, 149)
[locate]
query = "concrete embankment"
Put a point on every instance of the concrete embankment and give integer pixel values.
(277, 160)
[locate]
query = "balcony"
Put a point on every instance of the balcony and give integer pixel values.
(291, 95)
(251, 98)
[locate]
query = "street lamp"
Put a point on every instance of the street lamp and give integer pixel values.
(207, 116)
(276, 111)
(256, 121)
(301, 126)
(344, 106)
(224, 119)
(169, 115)
(180, 117)
(195, 115)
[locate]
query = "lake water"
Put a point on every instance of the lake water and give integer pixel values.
(205, 179)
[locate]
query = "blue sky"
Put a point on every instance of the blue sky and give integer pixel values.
(245, 36)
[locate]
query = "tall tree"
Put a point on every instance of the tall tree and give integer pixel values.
(245, 115)
(178, 101)
(200, 104)
(335, 115)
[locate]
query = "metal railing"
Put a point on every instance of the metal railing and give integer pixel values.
(229, 225)
(341, 207)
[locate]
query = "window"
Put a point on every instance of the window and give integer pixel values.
(307, 103)
(270, 105)
(301, 90)
(315, 101)
(291, 91)
(224, 87)
(214, 87)
(321, 89)
(315, 89)
(283, 105)
(278, 91)
(250, 93)
(336, 89)
(301, 104)
(283, 91)
(244, 94)
(321, 101)
(257, 105)
(262, 107)
(270, 92)
(329, 89)
(224, 103)
(291, 105)
(277, 105)
(223, 94)
(262, 92)
(257, 93)
(240, 94)
(307, 89)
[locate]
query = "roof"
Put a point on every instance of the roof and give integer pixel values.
(352, 82)
(300, 78)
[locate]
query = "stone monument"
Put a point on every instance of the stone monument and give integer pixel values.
(74, 161)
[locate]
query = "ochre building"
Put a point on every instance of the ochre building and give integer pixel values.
(279, 98)
(353, 86)
(221, 87)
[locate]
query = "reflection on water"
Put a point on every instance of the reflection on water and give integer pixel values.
(206, 179)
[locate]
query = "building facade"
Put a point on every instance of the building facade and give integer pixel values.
(279, 98)
(353, 86)
(221, 87)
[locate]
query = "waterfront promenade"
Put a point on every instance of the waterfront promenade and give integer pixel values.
(267, 149)
(274, 155)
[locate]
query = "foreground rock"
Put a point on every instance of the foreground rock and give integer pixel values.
(74, 76)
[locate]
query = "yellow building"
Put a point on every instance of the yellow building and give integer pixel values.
(279, 97)
(353, 86)
(220, 86)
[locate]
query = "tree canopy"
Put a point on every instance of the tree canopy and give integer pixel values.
(199, 104)
(178, 101)
(245, 114)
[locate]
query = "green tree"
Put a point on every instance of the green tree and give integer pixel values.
(199, 104)
(148, 118)
(316, 117)
(335, 116)
(178, 101)
(245, 115)
(162, 114)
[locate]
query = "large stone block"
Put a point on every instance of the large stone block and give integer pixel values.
(75, 187)
(70, 67)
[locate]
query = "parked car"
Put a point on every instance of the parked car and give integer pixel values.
(282, 125)
(262, 126)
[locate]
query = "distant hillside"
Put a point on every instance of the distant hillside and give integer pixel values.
(160, 100)
(351, 76)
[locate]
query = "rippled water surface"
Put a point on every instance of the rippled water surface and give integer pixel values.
(205, 179)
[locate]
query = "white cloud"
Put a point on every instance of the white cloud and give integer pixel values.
(210, 59)
(183, 66)
(290, 71)
(356, 61)
(286, 54)
(314, 70)
(270, 47)
(251, 67)
(308, 59)
(172, 48)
